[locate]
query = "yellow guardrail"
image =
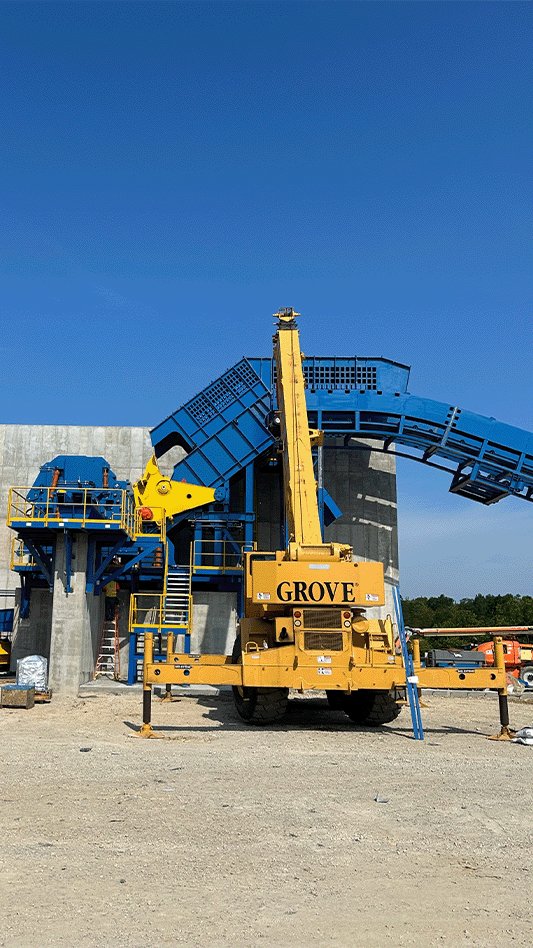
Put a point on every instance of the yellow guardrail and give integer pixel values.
(154, 526)
(53, 507)
(148, 611)
(20, 555)
(221, 555)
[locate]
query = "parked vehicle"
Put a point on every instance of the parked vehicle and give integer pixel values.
(518, 658)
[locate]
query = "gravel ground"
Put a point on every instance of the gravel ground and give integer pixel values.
(315, 833)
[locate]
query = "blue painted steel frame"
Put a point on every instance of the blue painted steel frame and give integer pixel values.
(491, 460)
(98, 575)
(44, 560)
(355, 398)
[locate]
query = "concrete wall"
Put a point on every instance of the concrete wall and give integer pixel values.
(214, 624)
(32, 635)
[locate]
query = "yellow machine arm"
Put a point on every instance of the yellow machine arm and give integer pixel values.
(303, 520)
(156, 490)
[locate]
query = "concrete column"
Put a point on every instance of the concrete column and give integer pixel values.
(76, 621)
(214, 622)
(363, 484)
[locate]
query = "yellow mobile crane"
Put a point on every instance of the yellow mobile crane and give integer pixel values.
(304, 624)
(304, 619)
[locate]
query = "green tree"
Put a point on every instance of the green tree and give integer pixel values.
(480, 611)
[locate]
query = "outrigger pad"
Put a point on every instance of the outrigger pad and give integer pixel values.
(147, 731)
(505, 735)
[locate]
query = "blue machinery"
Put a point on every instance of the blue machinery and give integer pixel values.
(225, 431)
(73, 494)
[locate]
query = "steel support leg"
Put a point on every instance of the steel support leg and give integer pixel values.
(146, 729)
(506, 734)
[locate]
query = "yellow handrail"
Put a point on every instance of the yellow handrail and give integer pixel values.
(147, 611)
(155, 526)
(20, 555)
(53, 507)
(222, 555)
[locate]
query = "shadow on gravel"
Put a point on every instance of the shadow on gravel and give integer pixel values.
(310, 714)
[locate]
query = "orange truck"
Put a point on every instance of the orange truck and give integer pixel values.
(518, 658)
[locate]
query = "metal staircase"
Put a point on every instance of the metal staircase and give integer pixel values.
(169, 614)
(108, 661)
(178, 601)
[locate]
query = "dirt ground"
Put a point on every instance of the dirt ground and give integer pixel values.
(313, 833)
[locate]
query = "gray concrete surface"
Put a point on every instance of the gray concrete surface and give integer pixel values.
(32, 635)
(214, 622)
(77, 618)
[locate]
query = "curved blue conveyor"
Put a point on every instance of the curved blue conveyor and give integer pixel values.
(223, 428)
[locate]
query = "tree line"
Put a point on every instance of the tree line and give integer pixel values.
(429, 612)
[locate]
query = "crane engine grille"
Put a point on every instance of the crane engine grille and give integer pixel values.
(319, 625)
(322, 618)
(324, 641)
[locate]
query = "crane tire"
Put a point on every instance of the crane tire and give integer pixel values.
(371, 708)
(258, 705)
(336, 699)
(526, 675)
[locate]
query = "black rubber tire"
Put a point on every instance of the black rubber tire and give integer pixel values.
(258, 705)
(336, 700)
(526, 674)
(371, 708)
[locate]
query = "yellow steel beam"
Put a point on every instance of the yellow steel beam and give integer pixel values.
(271, 669)
(300, 489)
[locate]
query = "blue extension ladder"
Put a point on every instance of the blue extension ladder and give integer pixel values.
(410, 678)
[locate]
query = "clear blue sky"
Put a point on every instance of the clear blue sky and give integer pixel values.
(173, 173)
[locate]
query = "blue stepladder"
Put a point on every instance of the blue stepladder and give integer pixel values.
(410, 678)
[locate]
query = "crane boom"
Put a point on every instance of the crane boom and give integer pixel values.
(301, 505)
(300, 486)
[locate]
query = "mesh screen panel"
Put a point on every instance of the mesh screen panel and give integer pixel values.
(322, 618)
(324, 641)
